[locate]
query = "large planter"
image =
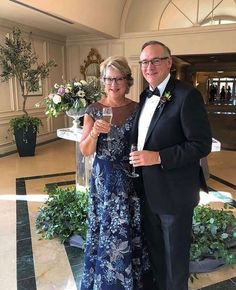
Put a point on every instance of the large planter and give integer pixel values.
(210, 263)
(205, 265)
(26, 141)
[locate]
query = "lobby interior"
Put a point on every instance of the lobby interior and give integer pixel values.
(31, 263)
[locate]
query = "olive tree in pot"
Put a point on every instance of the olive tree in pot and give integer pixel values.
(19, 61)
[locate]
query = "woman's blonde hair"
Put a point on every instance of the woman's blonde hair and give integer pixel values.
(119, 63)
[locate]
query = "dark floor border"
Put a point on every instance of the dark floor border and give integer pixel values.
(227, 183)
(42, 143)
(48, 175)
(229, 284)
(228, 147)
(61, 183)
(24, 259)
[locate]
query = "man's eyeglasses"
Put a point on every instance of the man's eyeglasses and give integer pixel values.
(109, 81)
(155, 61)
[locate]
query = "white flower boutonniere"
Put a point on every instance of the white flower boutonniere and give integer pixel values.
(165, 98)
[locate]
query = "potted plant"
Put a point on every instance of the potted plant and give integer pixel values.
(19, 61)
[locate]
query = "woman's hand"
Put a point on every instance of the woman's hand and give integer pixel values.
(101, 126)
(91, 131)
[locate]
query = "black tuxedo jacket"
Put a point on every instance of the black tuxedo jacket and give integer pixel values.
(180, 131)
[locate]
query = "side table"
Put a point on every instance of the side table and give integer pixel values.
(83, 164)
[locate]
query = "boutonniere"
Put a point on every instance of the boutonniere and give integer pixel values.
(165, 98)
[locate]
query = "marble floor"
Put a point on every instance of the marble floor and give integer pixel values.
(29, 263)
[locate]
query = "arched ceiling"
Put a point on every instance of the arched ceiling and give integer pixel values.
(111, 18)
(67, 17)
(152, 15)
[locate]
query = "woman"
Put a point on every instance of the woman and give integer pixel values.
(115, 258)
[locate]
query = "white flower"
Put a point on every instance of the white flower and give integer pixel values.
(211, 220)
(69, 87)
(84, 103)
(56, 99)
(75, 94)
(80, 93)
(37, 105)
(50, 96)
(83, 82)
(224, 236)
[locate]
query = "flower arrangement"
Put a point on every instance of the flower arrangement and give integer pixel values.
(71, 95)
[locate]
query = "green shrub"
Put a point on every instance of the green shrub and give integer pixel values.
(213, 232)
(63, 214)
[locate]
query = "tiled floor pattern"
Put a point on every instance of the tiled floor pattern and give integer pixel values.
(34, 264)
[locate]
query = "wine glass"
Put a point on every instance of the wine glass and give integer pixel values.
(134, 174)
(107, 116)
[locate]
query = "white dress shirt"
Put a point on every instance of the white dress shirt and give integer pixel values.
(147, 112)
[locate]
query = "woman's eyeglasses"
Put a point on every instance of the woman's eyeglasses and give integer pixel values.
(109, 81)
(155, 61)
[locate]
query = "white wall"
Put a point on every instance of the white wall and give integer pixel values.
(46, 47)
(70, 55)
(194, 40)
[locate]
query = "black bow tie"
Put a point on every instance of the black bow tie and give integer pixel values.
(150, 93)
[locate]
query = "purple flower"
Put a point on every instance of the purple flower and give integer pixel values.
(61, 91)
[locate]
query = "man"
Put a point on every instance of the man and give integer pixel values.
(173, 134)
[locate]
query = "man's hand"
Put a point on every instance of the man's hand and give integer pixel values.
(144, 158)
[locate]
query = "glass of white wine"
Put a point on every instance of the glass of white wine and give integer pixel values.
(107, 116)
(133, 174)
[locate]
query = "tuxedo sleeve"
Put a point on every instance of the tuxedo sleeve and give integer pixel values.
(196, 131)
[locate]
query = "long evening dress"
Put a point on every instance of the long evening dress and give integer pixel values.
(115, 256)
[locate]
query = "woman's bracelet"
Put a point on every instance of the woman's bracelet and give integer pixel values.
(92, 136)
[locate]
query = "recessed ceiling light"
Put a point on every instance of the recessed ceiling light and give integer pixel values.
(220, 71)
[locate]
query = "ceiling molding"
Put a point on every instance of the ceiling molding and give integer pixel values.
(41, 11)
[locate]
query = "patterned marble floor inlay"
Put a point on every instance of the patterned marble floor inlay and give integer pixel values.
(25, 261)
(76, 260)
(26, 277)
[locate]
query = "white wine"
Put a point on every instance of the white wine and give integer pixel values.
(107, 117)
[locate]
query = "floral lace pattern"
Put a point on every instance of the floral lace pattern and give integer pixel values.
(115, 257)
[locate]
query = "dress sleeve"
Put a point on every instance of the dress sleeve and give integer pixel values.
(93, 111)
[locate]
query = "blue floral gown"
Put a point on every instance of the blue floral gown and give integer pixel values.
(115, 256)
